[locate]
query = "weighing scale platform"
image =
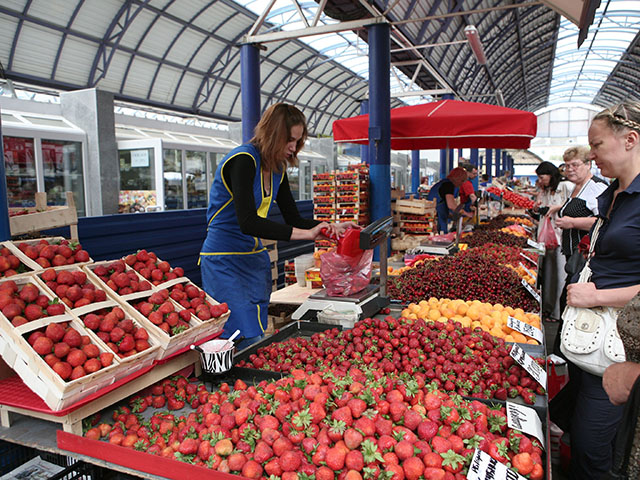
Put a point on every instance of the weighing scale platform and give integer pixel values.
(365, 303)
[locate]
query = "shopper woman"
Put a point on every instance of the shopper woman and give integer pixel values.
(614, 137)
(234, 264)
(553, 194)
(578, 214)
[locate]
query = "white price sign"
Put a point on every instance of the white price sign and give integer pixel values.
(529, 258)
(139, 158)
(525, 329)
(524, 419)
(531, 290)
(536, 245)
(529, 272)
(485, 467)
(527, 362)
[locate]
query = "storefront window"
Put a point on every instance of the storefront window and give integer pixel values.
(172, 168)
(20, 167)
(62, 162)
(196, 170)
(137, 180)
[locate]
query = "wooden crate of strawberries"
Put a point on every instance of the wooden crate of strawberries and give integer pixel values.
(14, 263)
(53, 252)
(56, 357)
(119, 280)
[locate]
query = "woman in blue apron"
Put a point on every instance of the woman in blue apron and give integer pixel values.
(234, 265)
(444, 192)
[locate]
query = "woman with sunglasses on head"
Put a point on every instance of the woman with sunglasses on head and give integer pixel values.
(614, 137)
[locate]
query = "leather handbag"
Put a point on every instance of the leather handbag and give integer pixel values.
(589, 337)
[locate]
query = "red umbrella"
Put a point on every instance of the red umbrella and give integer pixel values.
(447, 124)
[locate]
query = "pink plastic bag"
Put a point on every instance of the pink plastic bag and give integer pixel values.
(343, 275)
(547, 234)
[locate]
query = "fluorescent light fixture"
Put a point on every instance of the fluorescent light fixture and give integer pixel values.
(500, 98)
(474, 42)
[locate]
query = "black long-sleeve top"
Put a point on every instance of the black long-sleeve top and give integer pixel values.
(239, 174)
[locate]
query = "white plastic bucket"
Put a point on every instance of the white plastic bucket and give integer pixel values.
(302, 263)
(214, 360)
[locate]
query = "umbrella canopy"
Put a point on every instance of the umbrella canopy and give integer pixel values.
(447, 124)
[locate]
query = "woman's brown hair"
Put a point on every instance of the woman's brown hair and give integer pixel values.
(273, 132)
(621, 116)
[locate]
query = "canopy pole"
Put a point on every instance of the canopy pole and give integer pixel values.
(379, 122)
(446, 156)
(249, 89)
(498, 161)
(489, 163)
(364, 149)
(5, 229)
(415, 171)
(474, 161)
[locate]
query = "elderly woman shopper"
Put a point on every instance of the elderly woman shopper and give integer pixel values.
(553, 194)
(614, 137)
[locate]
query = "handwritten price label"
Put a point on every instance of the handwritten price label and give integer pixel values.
(524, 419)
(527, 362)
(531, 290)
(536, 245)
(485, 467)
(529, 258)
(525, 329)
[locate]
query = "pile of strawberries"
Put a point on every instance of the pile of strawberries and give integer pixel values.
(26, 303)
(121, 334)
(70, 354)
(10, 264)
(54, 254)
(72, 287)
(147, 264)
(195, 301)
(458, 359)
(162, 312)
(119, 279)
(363, 425)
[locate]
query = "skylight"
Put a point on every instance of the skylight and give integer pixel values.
(578, 74)
(345, 48)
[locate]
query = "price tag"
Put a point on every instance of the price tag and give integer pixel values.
(527, 228)
(527, 362)
(524, 419)
(525, 329)
(529, 258)
(485, 467)
(529, 272)
(536, 245)
(531, 290)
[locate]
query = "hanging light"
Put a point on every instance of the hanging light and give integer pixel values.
(476, 45)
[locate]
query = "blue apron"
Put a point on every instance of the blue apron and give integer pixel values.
(442, 210)
(235, 267)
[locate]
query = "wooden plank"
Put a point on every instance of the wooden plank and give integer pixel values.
(52, 217)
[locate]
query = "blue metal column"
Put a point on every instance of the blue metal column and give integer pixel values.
(443, 163)
(364, 149)
(5, 230)
(498, 161)
(415, 170)
(489, 162)
(459, 154)
(250, 89)
(504, 162)
(474, 161)
(450, 160)
(379, 122)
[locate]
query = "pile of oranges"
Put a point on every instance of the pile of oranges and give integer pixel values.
(473, 313)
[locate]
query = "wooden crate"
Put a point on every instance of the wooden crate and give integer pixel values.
(42, 217)
(30, 265)
(52, 241)
(415, 206)
(110, 292)
(36, 373)
(169, 345)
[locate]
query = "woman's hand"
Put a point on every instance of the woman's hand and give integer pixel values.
(553, 209)
(582, 295)
(310, 234)
(337, 230)
(564, 222)
(618, 380)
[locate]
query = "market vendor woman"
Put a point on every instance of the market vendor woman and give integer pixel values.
(235, 266)
(444, 194)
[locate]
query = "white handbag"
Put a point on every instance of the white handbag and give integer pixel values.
(589, 337)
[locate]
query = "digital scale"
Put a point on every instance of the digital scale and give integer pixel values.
(434, 247)
(367, 302)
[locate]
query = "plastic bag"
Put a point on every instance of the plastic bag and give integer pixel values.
(547, 235)
(343, 275)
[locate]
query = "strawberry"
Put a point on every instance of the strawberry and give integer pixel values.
(522, 463)
(413, 468)
(498, 449)
(353, 438)
(354, 460)
(440, 445)
(335, 458)
(289, 461)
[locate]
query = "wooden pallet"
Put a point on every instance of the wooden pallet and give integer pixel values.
(415, 206)
(43, 218)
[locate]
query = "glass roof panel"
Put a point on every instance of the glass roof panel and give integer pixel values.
(578, 74)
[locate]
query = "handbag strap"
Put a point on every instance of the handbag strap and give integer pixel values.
(585, 273)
